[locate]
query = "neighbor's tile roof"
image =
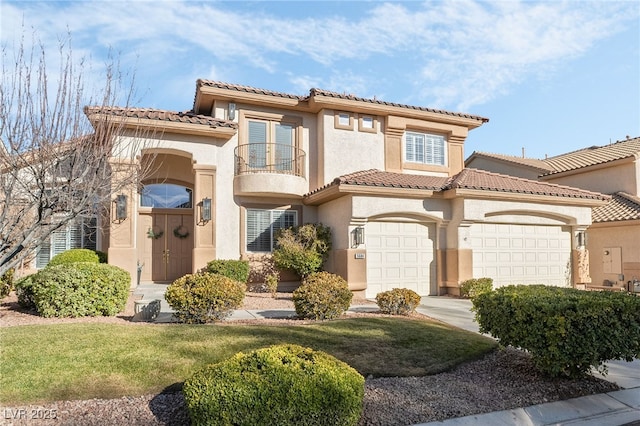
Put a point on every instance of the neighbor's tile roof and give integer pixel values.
(622, 206)
(594, 155)
(466, 179)
(319, 92)
(539, 165)
(188, 117)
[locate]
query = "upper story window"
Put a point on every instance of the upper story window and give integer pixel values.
(343, 120)
(367, 123)
(271, 145)
(425, 148)
(166, 195)
(262, 227)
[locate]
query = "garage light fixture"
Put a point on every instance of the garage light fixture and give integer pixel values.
(358, 236)
(581, 239)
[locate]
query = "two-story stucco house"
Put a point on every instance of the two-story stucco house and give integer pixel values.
(389, 179)
(613, 240)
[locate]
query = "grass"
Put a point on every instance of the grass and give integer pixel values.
(41, 363)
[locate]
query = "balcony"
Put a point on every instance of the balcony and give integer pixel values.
(269, 170)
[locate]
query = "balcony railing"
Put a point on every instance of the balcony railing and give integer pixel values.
(269, 158)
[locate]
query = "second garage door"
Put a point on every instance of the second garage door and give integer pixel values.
(521, 254)
(399, 255)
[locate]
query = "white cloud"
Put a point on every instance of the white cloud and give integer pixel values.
(451, 54)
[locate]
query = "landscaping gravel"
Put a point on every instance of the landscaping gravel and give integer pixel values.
(501, 380)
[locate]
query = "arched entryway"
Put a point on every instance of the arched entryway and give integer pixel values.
(165, 231)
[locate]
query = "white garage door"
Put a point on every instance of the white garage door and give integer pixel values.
(521, 254)
(399, 255)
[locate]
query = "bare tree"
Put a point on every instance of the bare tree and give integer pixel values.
(55, 166)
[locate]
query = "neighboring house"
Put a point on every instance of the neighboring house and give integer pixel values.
(613, 239)
(389, 180)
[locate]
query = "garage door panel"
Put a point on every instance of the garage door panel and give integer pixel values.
(399, 255)
(523, 254)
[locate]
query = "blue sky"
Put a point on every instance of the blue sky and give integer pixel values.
(551, 76)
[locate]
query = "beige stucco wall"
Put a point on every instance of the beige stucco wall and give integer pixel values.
(623, 236)
(613, 177)
(347, 151)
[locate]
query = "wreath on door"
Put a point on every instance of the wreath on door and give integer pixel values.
(181, 232)
(155, 232)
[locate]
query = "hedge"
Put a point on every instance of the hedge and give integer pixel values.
(567, 331)
(398, 301)
(74, 256)
(237, 270)
(321, 296)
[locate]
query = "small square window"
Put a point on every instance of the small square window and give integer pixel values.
(343, 120)
(367, 123)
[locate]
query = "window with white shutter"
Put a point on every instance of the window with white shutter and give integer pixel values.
(425, 148)
(262, 226)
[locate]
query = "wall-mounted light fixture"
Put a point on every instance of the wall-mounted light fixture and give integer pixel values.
(205, 211)
(232, 111)
(121, 207)
(357, 236)
(581, 239)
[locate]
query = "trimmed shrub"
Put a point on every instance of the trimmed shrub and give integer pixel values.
(398, 301)
(80, 289)
(303, 249)
(280, 385)
(237, 270)
(475, 286)
(204, 297)
(74, 256)
(321, 296)
(102, 256)
(6, 283)
(567, 331)
(24, 291)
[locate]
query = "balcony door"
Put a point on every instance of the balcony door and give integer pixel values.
(271, 146)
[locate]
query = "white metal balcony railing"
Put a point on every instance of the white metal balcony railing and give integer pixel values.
(269, 158)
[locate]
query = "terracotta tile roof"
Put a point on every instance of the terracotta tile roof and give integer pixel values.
(314, 92)
(319, 92)
(466, 179)
(375, 177)
(539, 165)
(594, 155)
(247, 89)
(622, 206)
(487, 181)
(188, 117)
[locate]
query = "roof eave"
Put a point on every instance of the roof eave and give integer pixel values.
(338, 190)
(523, 196)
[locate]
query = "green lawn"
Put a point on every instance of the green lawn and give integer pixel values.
(40, 363)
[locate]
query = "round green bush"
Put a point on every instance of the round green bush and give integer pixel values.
(237, 270)
(280, 385)
(398, 301)
(24, 291)
(74, 256)
(6, 283)
(321, 296)
(475, 286)
(80, 289)
(204, 297)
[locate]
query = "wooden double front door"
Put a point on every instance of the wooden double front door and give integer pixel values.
(166, 244)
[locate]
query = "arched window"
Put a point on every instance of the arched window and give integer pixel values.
(166, 195)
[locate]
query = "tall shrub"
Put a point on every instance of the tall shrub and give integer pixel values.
(567, 331)
(303, 249)
(285, 385)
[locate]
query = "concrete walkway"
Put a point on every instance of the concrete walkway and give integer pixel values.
(610, 409)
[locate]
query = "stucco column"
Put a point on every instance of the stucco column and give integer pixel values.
(204, 241)
(122, 231)
(580, 260)
(458, 258)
